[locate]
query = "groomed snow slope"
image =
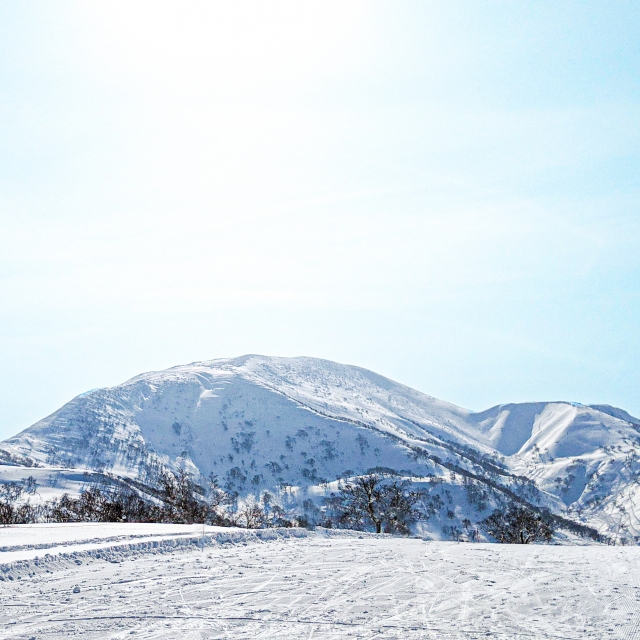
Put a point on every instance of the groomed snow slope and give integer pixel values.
(300, 584)
(263, 422)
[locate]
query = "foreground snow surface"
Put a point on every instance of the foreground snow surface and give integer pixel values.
(158, 581)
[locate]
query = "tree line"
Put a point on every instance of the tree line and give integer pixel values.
(176, 499)
(373, 502)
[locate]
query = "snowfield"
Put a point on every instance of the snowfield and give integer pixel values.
(168, 581)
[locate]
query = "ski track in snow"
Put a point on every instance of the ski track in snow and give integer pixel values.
(318, 585)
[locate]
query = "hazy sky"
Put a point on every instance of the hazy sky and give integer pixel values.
(444, 192)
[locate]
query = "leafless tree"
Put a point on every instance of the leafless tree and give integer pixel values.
(9, 494)
(373, 501)
(518, 525)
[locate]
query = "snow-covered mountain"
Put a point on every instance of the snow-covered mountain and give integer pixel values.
(267, 423)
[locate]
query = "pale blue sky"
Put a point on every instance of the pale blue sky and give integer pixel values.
(446, 193)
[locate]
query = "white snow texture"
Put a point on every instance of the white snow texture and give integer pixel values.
(114, 581)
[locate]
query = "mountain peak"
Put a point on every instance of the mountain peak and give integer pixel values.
(263, 422)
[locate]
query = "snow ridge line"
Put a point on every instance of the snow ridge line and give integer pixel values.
(180, 542)
(72, 543)
(119, 552)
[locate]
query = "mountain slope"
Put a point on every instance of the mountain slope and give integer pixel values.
(267, 423)
(256, 422)
(585, 455)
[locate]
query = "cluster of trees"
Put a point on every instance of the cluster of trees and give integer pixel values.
(518, 525)
(95, 504)
(176, 499)
(389, 506)
(372, 502)
(10, 512)
(186, 502)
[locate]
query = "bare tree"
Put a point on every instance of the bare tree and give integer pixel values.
(218, 502)
(10, 491)
(178, 494)
(251, 515)
(9, 494)
(371, 500)
(400, 507)
(518, 525)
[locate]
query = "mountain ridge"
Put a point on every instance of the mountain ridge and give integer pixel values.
(263, 423)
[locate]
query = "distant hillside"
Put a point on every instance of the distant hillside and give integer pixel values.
(266, 423)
